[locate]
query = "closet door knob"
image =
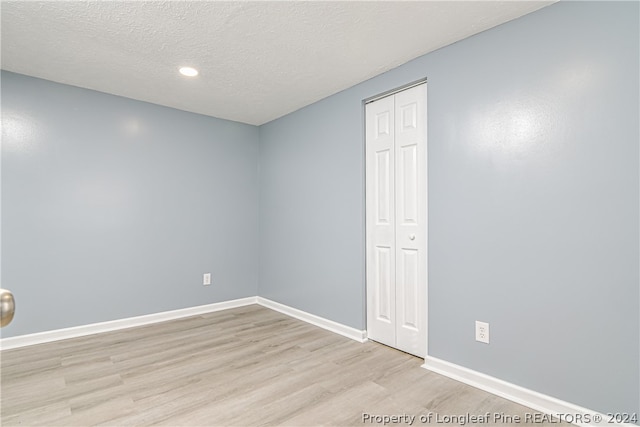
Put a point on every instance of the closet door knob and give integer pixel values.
(412, 237)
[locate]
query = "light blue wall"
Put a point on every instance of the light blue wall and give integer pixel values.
(533, 202)
(312, 211)
(113, 208)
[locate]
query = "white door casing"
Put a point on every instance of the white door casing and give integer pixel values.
(396, 220)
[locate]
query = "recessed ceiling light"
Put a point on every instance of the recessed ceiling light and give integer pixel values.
(188, 71)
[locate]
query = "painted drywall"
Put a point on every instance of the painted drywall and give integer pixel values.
(311, 211)
(533, 202)
(113, 208)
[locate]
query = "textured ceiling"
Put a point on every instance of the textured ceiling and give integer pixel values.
(258, 60)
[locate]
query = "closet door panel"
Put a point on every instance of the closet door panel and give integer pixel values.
(411, 219)
(380, 221)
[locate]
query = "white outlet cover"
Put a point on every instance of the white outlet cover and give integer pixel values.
(206, 279)
(482, 332)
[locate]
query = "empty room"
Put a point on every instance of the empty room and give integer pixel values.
(308, 213)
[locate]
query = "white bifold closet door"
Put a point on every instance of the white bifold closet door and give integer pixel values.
(396, 219)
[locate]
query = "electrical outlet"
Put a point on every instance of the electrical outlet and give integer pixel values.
(482, 332)
(206, 279)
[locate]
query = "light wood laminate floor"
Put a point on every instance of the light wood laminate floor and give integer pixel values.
(247, 366)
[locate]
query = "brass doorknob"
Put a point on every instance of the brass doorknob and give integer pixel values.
(7, 307)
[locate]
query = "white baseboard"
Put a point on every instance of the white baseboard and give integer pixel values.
(330, 325)
(112, 325)
(568, 412)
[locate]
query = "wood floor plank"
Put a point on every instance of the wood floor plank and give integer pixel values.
(247, 366)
